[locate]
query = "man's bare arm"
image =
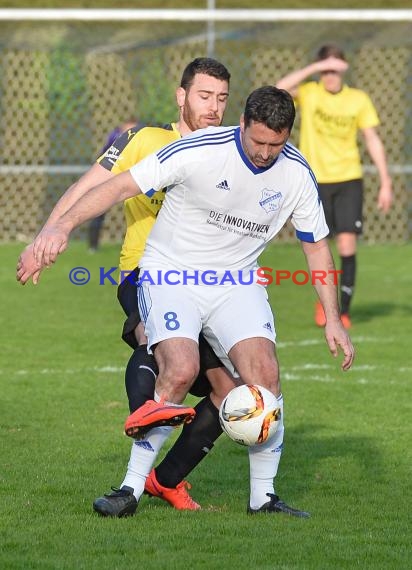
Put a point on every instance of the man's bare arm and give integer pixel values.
(95, 175)
(27, 266)
(53, 239)
(376, 151)
(319, 259)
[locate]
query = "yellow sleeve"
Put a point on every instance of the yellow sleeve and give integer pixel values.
(127, 150)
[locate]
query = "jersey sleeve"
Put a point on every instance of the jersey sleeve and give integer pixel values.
(151, 175)
(170, 165)
(308, 217)
(123, 152)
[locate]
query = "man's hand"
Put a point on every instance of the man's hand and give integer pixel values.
(385, 197)
(337, 337)
(27, 267)
(50, 243)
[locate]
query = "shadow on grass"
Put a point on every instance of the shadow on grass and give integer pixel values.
(325, 458)
(367, 311)
(315, 460)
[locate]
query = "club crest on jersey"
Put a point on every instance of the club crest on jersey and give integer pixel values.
(270, 200)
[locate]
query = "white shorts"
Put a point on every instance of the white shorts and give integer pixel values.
(225, 314)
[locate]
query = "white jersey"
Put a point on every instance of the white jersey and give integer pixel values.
(220, 210)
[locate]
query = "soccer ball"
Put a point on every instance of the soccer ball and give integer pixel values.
(250, 414)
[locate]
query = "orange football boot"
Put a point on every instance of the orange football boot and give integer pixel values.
(153, 414)
(320, 318)
(345, 320)
(178, 496)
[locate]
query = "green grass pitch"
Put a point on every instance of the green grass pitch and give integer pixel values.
(347, 455)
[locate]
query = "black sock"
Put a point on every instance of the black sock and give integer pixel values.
(347, 281)
(193, 444)
(95, 228)
(140, 377)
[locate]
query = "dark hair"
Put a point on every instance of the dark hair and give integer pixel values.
(272, 106)
(205, 65)
(330, 50)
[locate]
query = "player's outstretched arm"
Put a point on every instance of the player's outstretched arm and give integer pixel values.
(325, 279)
(27, 266)
(292, 81)
(53, 239)
(95, 175)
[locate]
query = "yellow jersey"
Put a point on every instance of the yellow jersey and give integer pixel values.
(140, 211)
(329, 128)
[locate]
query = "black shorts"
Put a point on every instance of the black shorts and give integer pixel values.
(342, 203)
(127, 296)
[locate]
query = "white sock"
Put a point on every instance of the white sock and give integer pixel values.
(263, 463)
(142, 456)
(157, 398)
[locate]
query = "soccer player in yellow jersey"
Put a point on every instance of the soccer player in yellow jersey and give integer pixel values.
(332, 113)
(201, 98)
(95, 226)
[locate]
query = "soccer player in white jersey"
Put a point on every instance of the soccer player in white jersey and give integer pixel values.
(231, 190)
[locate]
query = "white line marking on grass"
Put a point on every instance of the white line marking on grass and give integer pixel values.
(326, 378)
(312, 366)
(109, 369)
(317, 341)
(287, 376)
(49, 371)
(307, 342)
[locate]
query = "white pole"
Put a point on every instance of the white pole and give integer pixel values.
(211, 5)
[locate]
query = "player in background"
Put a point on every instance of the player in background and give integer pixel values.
(267, 182)
(332, 113)
(201, 98)
(96, 225)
